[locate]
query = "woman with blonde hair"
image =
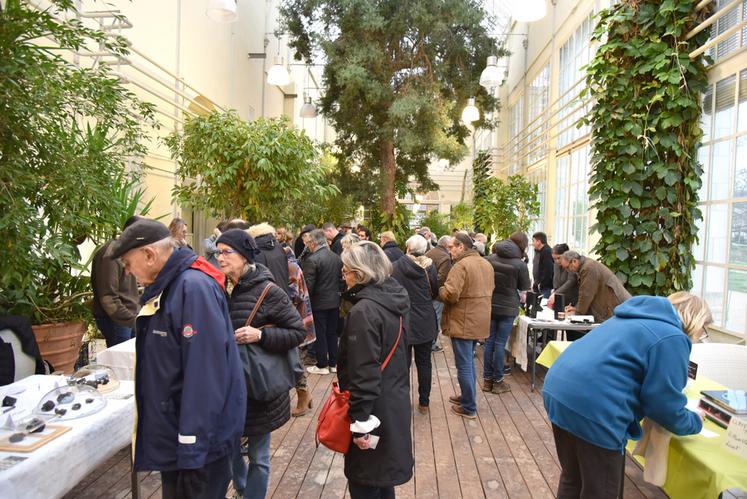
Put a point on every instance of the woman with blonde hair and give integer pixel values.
(634, 365)
(373, 368)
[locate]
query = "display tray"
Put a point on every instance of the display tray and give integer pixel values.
(32, 441)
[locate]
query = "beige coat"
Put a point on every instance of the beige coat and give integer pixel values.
(599, 290)
(466, 296)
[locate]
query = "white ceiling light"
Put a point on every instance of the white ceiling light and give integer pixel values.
(492, 75)
(527, 11)
(470, 112)
(278, 73)
(308, 110)
(222, 11)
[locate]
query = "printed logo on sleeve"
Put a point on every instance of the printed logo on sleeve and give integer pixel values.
(188, 331)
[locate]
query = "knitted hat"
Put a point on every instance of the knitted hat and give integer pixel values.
(240, 241)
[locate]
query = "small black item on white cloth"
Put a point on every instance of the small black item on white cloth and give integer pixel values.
(9, 401)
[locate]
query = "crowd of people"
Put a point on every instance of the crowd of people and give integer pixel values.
(207, 326)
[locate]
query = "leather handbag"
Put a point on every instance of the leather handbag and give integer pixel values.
(268, 374)
(333, 425)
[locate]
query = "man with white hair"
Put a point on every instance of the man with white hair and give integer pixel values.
(323, 272)
(189, 381)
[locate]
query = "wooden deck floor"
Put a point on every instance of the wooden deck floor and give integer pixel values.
(507, 452)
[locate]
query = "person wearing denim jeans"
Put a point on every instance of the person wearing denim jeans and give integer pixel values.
(495, 354)
(511, 277)
(466, 376)
(466, 295)
(251, 480)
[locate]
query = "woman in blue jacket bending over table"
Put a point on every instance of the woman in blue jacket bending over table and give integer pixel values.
(632, 366)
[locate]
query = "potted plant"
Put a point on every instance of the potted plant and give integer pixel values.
(68, 142)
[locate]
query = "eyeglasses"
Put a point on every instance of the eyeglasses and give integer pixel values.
(346, 272)
(226, 252)
(704, 337)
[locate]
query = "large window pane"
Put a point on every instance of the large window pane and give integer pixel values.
(704, 159)
(717, 233)
(731, 43)
(714, 292)
(738, 249)
(736, 312)
(699, 247)
(706, 118)
(697, 288)
(720, 170)
(742, 110)
(723, 124)
(740, 172)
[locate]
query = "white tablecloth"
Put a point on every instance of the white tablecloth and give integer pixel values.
(55, 468)
(517, 343)
(120, 358)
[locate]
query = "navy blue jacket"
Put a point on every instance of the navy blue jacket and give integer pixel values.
(189, 383)
(632, 366)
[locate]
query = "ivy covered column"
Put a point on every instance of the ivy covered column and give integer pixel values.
(645, 136)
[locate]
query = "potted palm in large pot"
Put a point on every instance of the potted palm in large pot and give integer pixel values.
(69, 139)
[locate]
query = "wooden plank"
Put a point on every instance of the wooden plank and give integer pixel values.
(445, 464)
(425, 480)
(508, 414)
(105, 468)
(305, 454)
(102, 485)
(467, 475)
(287, 444)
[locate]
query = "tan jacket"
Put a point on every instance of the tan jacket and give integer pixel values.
(599, 290)
(466, 296)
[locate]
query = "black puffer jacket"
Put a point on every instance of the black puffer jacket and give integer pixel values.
(288, 332)
(511, 276)
(418, 276)
(393, 252)
(371, 331)
(322, 271)
(273, 257)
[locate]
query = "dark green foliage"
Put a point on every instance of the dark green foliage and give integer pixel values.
(396, 78)
(437, 222)
(264, 170)
(67, 135)
(645, 136)
(502, 207)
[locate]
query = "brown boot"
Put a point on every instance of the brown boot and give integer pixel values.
(501, 387)
(487, 385)
(304, 403)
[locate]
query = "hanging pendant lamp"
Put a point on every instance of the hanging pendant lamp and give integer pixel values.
(308, 110)
(278, 73)
(470, 112)
(222, 11)
(491, 76)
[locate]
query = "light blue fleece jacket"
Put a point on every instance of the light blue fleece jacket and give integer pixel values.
(632, 366)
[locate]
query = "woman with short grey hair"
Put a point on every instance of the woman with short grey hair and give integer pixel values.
(417, 274)
(373, 368)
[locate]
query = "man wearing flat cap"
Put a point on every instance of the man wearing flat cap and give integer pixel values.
(189, 383)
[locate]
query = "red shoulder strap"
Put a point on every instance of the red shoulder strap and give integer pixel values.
(204, 266)
(388, 357)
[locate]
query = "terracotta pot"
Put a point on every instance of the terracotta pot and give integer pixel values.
(60, 343)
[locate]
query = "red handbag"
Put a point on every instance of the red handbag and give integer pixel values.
(333, 425)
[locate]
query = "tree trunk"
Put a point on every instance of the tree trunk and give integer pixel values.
(388, 170)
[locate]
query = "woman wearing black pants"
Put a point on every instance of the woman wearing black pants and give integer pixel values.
(417, 274)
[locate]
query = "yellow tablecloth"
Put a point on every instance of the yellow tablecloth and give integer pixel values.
(551, 352)
(698, 467)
